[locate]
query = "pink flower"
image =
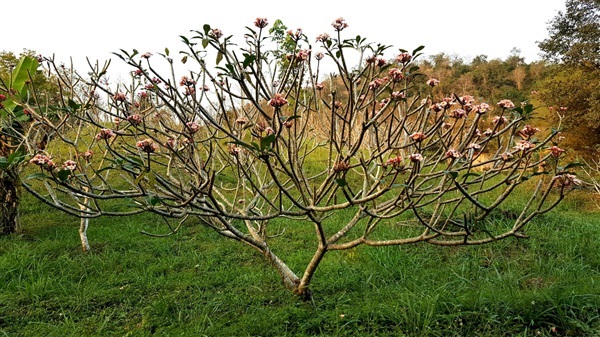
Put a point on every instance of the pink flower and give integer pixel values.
(146, 55)
(396, 75)
(146, 145)
(506, 104)
(319, 86)
(416, 158)
(138, 73)
(339, 24)
(43, 161)
(524, 145)
(418, 136)
(105, 134)
(556, 151)
(437, 107)
(453, 154)
(528, 131)
(70, 165)
(432, 82)
(395, 162)
(567, 179)
(171, 143)
(241, 121)
(87, 155)
(459, 113)
(323, 37)
(142, 94)
(467, 99)
(376, 83)
(481, 108)
(500, 120)
(319, 56)
(39, 159)
(396, 95)
(193, 126)
(119, 97)
(261, 22)
(340, 166)
(216, 33)
(474, 146)
(278, 101)
(2, 98)
(186, 81)
(234, 150)
(506, 156)
(404, 58)
(134, 119)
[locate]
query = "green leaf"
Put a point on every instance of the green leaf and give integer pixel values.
(15, 158)
(219, 57)
(569, 165)
(184, 59)
(248, 60)
(341, 182)
(166, 51)
(39, 175)
(73, 105)
(20, 76)
(206, 29)
(204, 43)
(153, 200)
(418, 50)
(63, 175)
(267, 142)
(453, 174)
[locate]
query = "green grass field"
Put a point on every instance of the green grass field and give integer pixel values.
(196, 283)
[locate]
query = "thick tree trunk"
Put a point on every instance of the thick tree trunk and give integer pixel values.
(9, 205)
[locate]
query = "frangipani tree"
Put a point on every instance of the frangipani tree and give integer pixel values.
(251, 138)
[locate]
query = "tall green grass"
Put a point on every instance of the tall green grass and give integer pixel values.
(196, 283)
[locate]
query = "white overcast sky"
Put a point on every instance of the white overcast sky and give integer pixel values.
(95, 29)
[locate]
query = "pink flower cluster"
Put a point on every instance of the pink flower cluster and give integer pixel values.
(339, 24)
(261, 22)
(396, 75)
(105, 134)
(146, 145)
(403, 58)
(87, 155)
(278, 101)
(134, 119)
(43, 161)
(506, 104)
(70, 165)
(432, 82)
(453, 154)
(193, 126)
(416, 158)
(567, 180)
(395, 162)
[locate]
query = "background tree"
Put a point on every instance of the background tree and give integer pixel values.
(21, 83)
(574, 83)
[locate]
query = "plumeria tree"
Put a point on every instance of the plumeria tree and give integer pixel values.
(262, 151)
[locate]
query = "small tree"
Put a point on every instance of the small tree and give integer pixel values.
(358, 158)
